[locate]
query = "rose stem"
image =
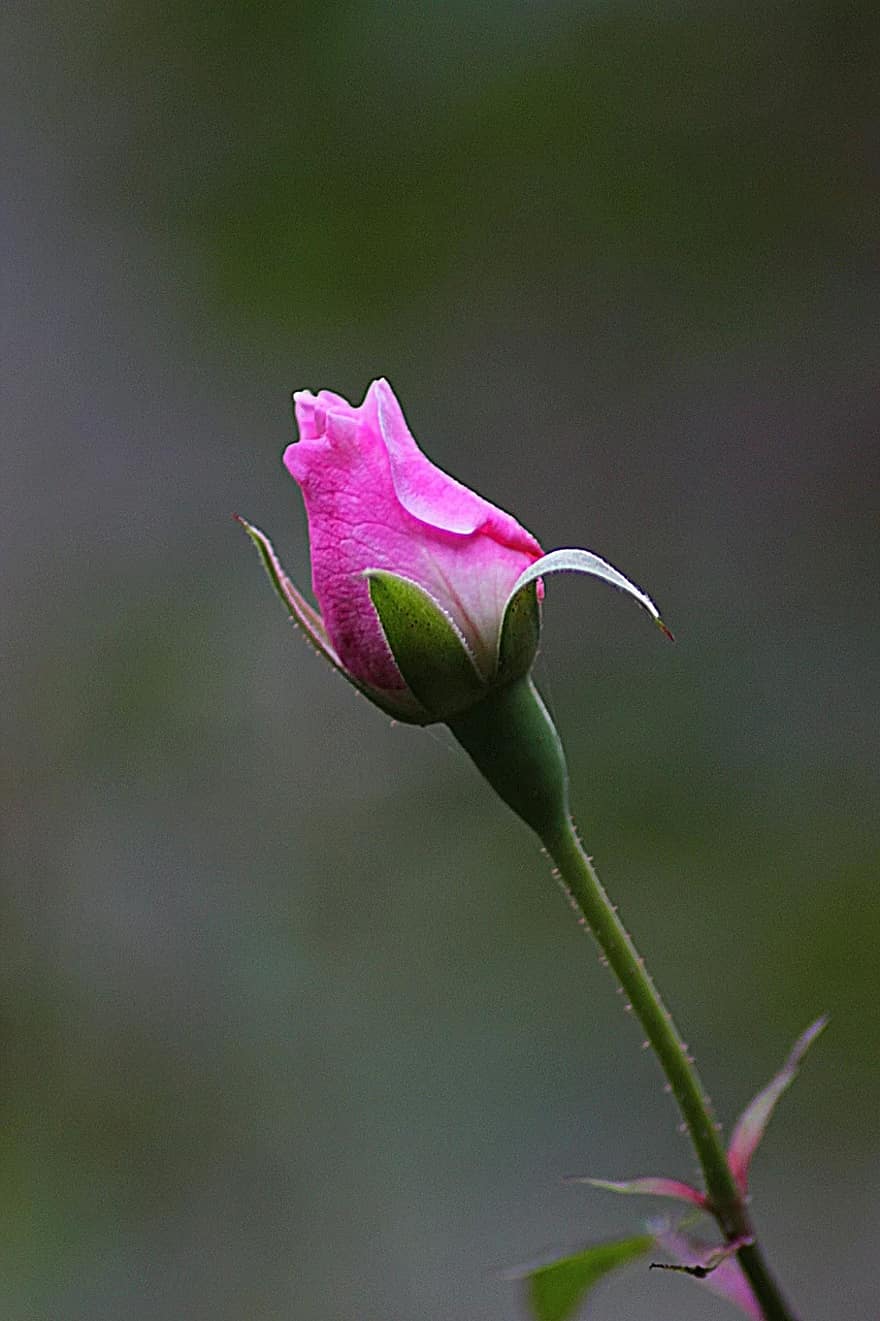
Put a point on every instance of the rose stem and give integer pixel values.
(513, 741)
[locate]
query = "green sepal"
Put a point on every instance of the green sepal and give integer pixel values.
(519, 635)
(557, 1290)
(430, 652)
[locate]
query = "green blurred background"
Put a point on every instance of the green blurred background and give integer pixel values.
(294, 1022)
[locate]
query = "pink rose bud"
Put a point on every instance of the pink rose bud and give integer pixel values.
(374, 502)
(428, 594)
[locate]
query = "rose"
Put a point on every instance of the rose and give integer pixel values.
(375, 502)
(428, 593)
(429, 604)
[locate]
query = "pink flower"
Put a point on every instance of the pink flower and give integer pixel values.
(374, 501)
(428, 594)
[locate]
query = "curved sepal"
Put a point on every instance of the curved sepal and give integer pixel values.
(297, 606)
(399, 706)
(574, 560)
(430, 652)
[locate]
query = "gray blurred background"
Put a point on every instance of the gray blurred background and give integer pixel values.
(294, 1021)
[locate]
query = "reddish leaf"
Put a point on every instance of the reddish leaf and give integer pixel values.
(750, 1126)
(649, 1187)
(719, 1270)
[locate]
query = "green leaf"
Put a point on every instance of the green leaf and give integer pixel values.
(573, 560)
(430, 652)
(557, 1290)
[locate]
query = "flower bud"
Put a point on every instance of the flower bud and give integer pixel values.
(429, 596)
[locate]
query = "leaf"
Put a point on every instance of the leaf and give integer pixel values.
(648, 1187)
(430, 652)
(556, 1290)
(573, 560)
(750, 1126)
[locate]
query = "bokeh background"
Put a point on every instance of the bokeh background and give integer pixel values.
(294, 1022)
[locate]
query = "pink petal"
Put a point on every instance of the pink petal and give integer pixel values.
(750, 1126)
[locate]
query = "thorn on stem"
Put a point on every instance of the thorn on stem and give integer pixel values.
(699, 1272)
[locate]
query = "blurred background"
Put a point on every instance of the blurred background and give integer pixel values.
(294, 1021)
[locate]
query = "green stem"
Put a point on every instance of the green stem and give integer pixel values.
(513, 741)
(589, 898)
